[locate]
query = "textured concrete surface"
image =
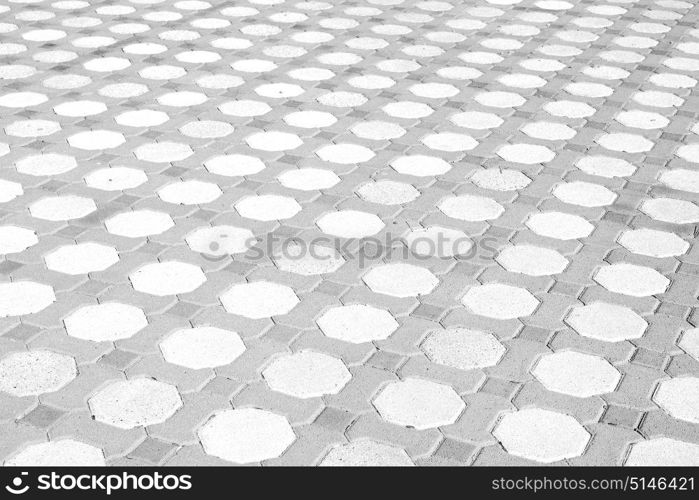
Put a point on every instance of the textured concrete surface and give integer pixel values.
(175, 176)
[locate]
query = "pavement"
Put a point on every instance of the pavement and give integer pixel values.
(376, 232)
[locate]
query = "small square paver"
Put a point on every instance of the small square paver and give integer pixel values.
(334, 419)
(153, 450)
(498, 387)
(649, 358)
(385, 361)
(22, 333)
(330, 288)
(428, 311)
(622, 416)
(184, 309)
(456, 451)
(42, 416)
(119, 359)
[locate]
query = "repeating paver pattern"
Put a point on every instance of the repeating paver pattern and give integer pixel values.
(350, 232)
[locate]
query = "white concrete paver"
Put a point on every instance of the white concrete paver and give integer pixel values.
(307, 374)
(246, 435)
(463, 349)
(541, 435)
(31, 373)
(576, 374)
(202, 347)
(134, 403)
(418, 403)
(60, 453)
(366, 453)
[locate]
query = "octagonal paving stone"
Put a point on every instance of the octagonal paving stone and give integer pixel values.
(671, 210)
(273, 141)
(463, 349)
(419, 404)
(679, 397)
(549, 131)
(532, 260)
(190, 192)
(350, 224)
(605, 166)
(202, 347)
(163, 152)
(377, 130)
(528, 154)
(96, 140)
(268, 207)
(690, 342)
(134, 403)
(24, 297)
(10, 190)
(246, 435)
(345, 153)
(366, 453)
(559, 225)
(15, 239)
(499, 301)
(60, 453)
(606, 322)
(653, 243)
(357, 323)
(388, 192)
(689, 152)
(642, 119)
(309, 259)
(234, 165)
(82, 258)
(400, 280)
(663, 452)
(46, 164)
(116, 178)
(105, 322)
(62, 208)
(36, 372)
(221, 240)
(576, 374)
(630, 279)
(139, 223)
(306, 374)
(167, 278)
(260, 299)
(471, 208)
(541, 435)
(438, 241)
(584, 194)
(420, 165)
(308, 179)
(499, 179)
(626, 143)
